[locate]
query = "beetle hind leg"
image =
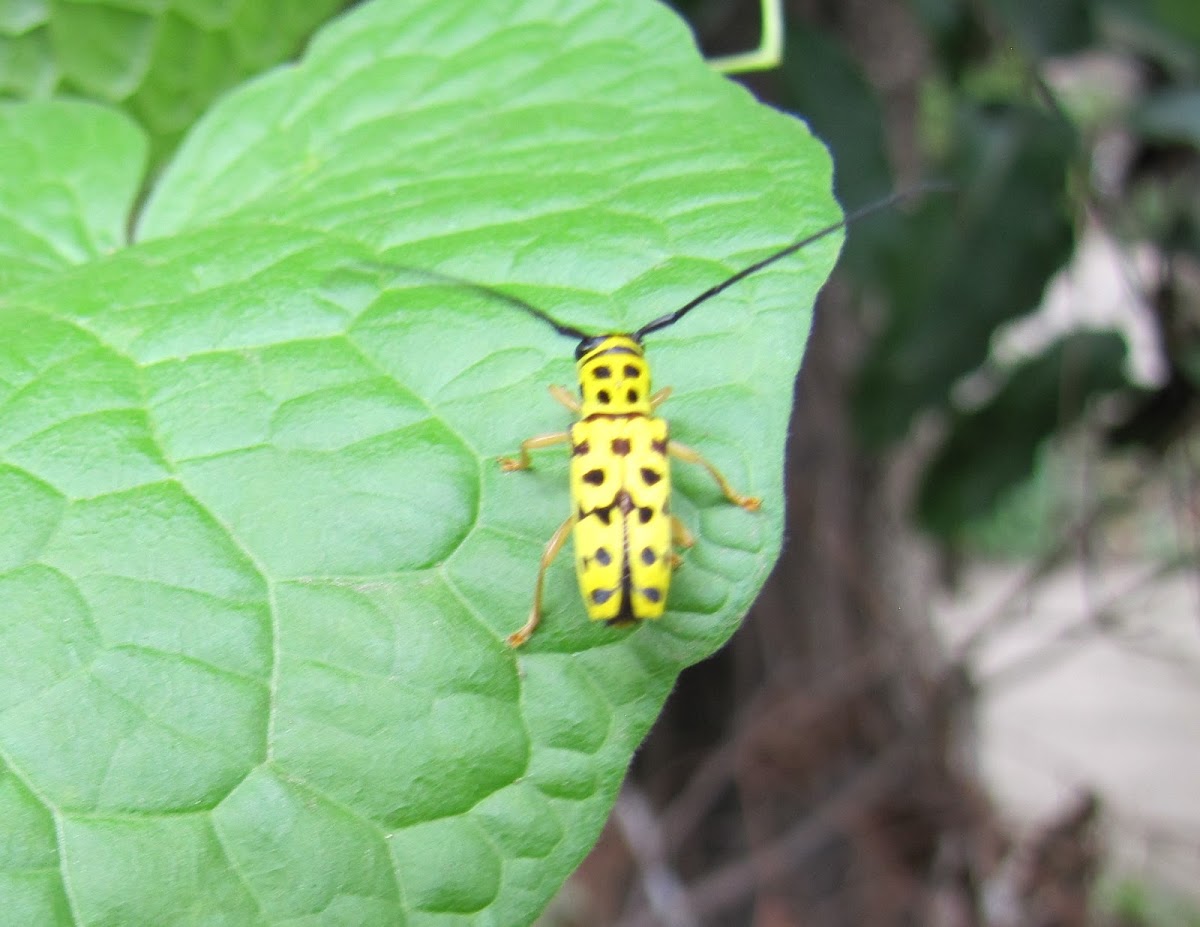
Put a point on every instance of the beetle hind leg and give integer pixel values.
(680, 536)
(553, 546)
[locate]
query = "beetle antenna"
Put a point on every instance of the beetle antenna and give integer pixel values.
(672, 317)
(485, 290)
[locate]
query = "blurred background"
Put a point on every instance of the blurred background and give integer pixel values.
(970, 694)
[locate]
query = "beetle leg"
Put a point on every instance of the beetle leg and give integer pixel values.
(522, 461)
(660, 397)
(685, 453)
(553, 546)
(563, 395)
(680, 536)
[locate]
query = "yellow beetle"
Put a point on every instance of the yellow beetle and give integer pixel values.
(624, 533)
(620, 487)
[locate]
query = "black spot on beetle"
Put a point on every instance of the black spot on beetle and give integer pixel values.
(631, 371)
(603, 557)
(594, 477)
(650, 476)
(600, 596)
(659, 447)
(620, 446)
(648, 556)
(578, 450)
(652, 594)
(603, 397)
(632, 395)
(645, 513)
(602, 373)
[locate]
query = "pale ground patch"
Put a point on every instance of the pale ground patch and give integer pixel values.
(1092, 681)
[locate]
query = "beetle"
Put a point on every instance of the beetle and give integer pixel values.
(624, 533)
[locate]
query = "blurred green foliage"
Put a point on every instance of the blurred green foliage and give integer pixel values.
(1054, 122)
(1137, 904)
(162, 61)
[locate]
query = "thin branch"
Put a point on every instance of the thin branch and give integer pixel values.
(643, 833)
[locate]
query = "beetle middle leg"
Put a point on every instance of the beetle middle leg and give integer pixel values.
(687, 454)
(522, 460)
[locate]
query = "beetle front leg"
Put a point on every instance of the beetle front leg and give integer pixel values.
(687, 454)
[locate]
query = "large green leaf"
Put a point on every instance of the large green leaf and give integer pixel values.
(258, 562)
